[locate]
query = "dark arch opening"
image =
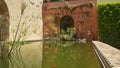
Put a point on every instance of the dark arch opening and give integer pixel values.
(4, 21)
(66, 22)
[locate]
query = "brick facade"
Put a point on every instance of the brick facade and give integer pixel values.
(83, 14)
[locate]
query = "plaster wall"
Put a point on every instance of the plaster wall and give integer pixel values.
(30, 27)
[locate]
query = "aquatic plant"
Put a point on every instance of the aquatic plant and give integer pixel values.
(68, 34)
(19, 32)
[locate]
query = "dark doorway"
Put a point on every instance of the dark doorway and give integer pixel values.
(66, 22)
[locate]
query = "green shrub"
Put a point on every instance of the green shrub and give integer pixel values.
(109, 23)
(67, 35)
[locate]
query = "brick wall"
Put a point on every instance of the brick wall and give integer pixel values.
(82, 12)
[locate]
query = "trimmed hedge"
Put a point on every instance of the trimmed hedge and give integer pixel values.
(109, 23)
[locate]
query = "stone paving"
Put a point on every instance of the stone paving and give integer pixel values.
(110, 53)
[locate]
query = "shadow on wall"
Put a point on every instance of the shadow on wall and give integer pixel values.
(4, 21)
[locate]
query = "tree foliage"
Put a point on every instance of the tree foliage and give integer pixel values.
(109, 23)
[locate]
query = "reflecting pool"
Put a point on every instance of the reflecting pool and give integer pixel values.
(50, 55)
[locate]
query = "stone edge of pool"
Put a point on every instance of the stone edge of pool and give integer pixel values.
(111, 54)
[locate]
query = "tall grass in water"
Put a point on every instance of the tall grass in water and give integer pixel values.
(20, 31)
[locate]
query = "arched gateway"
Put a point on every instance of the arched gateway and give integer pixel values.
(66, 22)
(23, 21)
(78, 14)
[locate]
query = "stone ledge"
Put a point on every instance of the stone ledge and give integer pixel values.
(110, 53)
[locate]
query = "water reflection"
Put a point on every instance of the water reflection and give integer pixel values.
(25, 56)
(4, 62)
(50, 55)
(69, 55)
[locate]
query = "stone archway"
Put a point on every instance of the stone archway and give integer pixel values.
(31, 16)
(66, 22)
(4, 21)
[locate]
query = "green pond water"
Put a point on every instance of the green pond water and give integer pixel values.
(51, 55)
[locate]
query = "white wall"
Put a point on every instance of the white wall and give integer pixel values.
(31, 20)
